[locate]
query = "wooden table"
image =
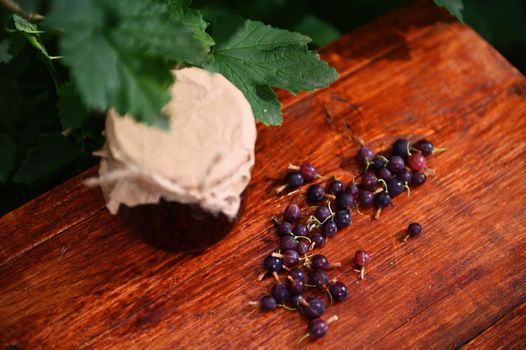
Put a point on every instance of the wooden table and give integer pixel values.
(72, 277)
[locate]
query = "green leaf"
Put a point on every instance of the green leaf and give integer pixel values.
(71, 111)
(256, 57)
(7, 156)
(23, 25)
(52, 153)
(192, 18)
(454, 7)
(5, 55)
(119, 53)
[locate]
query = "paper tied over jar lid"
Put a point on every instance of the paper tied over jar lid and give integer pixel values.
(205, 158)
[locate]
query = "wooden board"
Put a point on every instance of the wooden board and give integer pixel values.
(71, 276)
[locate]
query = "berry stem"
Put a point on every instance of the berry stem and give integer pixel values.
(377, 213)
(305, 336)
(287, 307)
(437, 150)
(406, 237)
(293, 167)
(332, 319)
(362, 273)
(303, 237)
(276, 276)
(253, 303)
(384, 184)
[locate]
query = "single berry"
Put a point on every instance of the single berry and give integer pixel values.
(364, 156)
(318, 278)
(335, 187)
(268, 303)
(338, 291)
(302, 248)
(344, 201)
(329, 228)
(417, 162)
(413, 230)
(342, 219)
(322, 213)
(396, 164)
(365, 200)
(309, 172)
(379, 162)
(353, 189)
(425, 147)
(272, 264)
(418, 179)
(405, 176)
(369, 182)
(294, 180)
(315, 193)
(382, 199)
(318, 240)
(297, 274)
(280, 292)
(295, 286)
(300, 230)
(318, 328)
(314, 308)
(401, 148)
(362, 258)
(384, 174)
(284, 228)
(292, 213)
(288, 243)
(290, 258)
(394, 187)
(319, 262)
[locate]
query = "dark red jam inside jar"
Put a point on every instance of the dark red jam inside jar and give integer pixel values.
(174, 226)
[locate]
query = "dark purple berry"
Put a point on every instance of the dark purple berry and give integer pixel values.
(295, 300)
(369, 182)
(290, 258)
(295, 286)
(353, 189)
(318, 278)
(401, 148)
(362, 258)
(272, 264)
(292, 213)
(318, 328)
(268, 303)
(288, 243)
(425, 146)
(378, 163)
(396, 164)
(418, 179)
(384, 174)
(342, 219)
(280, 292)
(302, 248)
(297, 274)
(365, 200)
(300, 230)
(329, 228)
(338, 291)
(319, 262)
(364, 156)
(344, 201)
(335, 187)
(405, 176)
(315, 193)
(318, 240)
(322, 213)
(314, 309)
(394, 187)
(417, 162)
(414, 229)
(308, 171)
(285, 228)
(382, 199)
(294, 180)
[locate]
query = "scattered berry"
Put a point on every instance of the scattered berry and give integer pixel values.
(396, 164)
(315, 193)
(295, 286)
(364, 156)
(320, 262)
(427, 148)
(317, 240)
(292, 213)
(322, 213)
(417, 162)
(413, 230)
(366, 199)
(342, 219)
(379, 162)
(384, 174)
(405, 176)
(300, 230)
(309, 172)
(401, 148)
(314, 307)
(329, 228)
(318, 278)
(418, 179)
(290, 258)
(353, 189)
(369, 182)
(280, 292)
(344, 201)
(302, 248)
(318, 328)
(288, 243)
(294, 180)
(381, 200)
(284, 228)
(362, 258)
(338, 291)
(297, 274)
(394, 187)
(335, 187)
(268, 303)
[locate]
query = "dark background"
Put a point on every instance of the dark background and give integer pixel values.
(28, 108)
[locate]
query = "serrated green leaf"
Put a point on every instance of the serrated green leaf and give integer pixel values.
(23, 25)
(256, 57)
(192, 18)
(5, 55)
(71, 111)
(53, 152)
(118, 53)
(454, 7)
(7, 156)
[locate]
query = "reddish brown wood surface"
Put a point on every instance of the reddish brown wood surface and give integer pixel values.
(72, 277)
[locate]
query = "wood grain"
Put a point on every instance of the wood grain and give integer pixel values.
(72, 277)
